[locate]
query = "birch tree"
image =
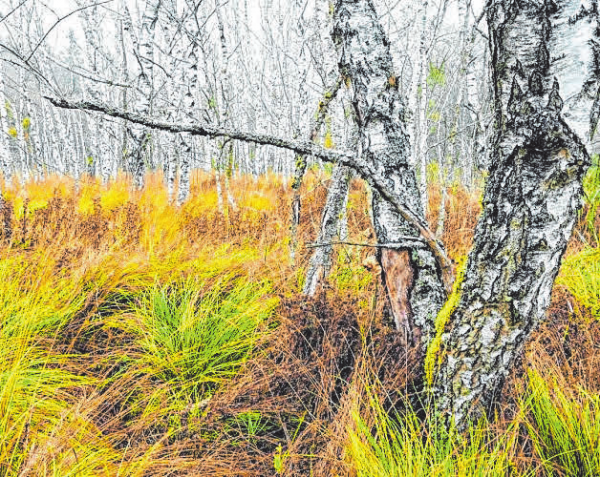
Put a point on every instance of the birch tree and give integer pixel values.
(545, 83)
(384, 143)
(143, 42)
(545, 91)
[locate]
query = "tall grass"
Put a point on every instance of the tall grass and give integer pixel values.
(39, 384)
(130, 327)
(385, 445)
(564, 426)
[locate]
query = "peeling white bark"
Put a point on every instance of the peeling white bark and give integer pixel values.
(529, 208)
(415, 289)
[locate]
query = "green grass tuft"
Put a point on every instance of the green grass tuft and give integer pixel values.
(384, 446)
(193, 335)
(564, 429)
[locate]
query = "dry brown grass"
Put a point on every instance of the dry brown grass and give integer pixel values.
(307, 378)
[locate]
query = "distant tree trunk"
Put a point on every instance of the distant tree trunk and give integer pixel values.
(124, 77)
(144, 52)
(189, 83)
(224, 105)
(5, 154)
(420, 128)
(543, 104)
(413, 283)
(320, 262)
(301, 165)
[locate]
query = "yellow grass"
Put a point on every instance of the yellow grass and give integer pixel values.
(129, 328)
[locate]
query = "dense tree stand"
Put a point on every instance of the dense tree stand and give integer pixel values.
(539, 156)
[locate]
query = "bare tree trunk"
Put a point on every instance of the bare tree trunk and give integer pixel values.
(5, 153)
(412, 280)
(320, 262)
(420, 124)
(531, 199)
(144, 51)
(301, 165)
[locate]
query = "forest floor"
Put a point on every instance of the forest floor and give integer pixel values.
(139, 338)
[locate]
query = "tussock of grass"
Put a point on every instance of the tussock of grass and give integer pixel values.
(380, 445)
(195, 336)
(564, 427)
(580, 274)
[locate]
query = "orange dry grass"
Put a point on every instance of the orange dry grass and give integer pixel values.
(116, 243)
(462, 210)
(92, 219)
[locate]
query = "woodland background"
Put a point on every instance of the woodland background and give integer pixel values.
(152, 312)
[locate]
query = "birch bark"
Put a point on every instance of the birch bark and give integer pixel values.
(320, 262)
(144, 52)
(413, 283)
(544, 117)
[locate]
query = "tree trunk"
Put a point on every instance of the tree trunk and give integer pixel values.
(144, 51)
(320, 262)
(301, 165)
(412, 280)
(420, 124)
(531, 199)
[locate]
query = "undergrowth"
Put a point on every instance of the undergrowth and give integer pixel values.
(144, 339)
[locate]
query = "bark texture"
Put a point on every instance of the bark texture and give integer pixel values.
(415, 289)
(529, 210)
(301, 163)
(144, 51)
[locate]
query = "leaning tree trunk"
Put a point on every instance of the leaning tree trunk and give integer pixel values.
(412, 280)
(544, 89)
(320, 262)
(300, 169)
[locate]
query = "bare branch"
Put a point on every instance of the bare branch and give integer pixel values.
(308, 148)
(23, 2)
(60, 20)
(411, 242)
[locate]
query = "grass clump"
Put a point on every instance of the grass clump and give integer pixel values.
(564, 427)
(199, 335)
(580, 274)
(189, 337)
(382, 445)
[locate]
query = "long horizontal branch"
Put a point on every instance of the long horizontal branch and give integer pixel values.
(308, 148)
(409, 242)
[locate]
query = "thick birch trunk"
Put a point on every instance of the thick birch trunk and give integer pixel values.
(411, 278)
(531, 199)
